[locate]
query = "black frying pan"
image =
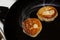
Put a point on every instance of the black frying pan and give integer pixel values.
(22, 10)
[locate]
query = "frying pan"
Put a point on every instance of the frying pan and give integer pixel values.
(24, 9)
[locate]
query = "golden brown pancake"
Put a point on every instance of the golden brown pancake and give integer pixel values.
(32, 27)
(47, 13)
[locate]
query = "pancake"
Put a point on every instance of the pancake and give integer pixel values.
(47, 13)
(32, 27)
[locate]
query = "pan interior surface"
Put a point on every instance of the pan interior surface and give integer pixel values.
(18, 13)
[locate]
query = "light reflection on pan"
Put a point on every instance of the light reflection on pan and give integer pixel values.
(29, 9)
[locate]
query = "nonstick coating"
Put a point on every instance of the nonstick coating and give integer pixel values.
(18, 13)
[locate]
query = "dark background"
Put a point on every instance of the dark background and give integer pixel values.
(13, 28)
